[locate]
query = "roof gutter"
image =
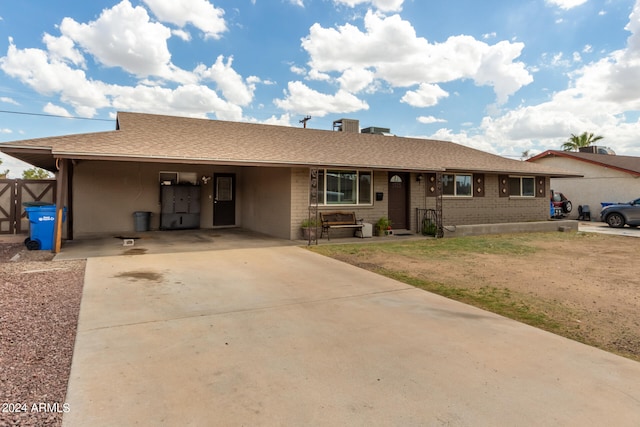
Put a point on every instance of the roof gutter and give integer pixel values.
(232, 162)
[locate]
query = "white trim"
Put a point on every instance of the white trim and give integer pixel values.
(455, 191)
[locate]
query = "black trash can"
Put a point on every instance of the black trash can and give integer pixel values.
(141, 220)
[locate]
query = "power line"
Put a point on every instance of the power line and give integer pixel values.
(55, 115)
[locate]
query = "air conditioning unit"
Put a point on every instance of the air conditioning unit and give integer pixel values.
(347, 125)
(594, 149)
(377, 130)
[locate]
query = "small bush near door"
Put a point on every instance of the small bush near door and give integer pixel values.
(383, 226)
(429, 228)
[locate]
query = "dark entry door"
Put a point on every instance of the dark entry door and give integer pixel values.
(224, 199)
(398, 189)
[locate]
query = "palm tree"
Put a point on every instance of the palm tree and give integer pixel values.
(583, 140)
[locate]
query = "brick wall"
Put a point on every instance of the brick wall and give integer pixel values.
(492, 209)
(489, 209)
(300, 203)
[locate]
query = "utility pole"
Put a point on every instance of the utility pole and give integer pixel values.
(304, 121)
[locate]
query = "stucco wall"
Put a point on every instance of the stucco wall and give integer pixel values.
(491, 208)
(266, 198)
(599, 184)
(105, 194)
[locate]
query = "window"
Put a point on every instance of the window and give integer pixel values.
(343, 187)
(456, 185)
(522, 186)
(366, 188)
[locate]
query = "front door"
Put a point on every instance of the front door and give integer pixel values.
(224, 199)
(398, 188)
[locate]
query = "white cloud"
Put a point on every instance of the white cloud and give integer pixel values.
(56, 110)
(124, 37)
(587, 48)
(63, 48)
(566, 4)
(298, 70)
(5, 130)
(184, 35)
(556, 60)
(317, 75)
(300, 99)
(297, 3)
(190, 100)
(390, 48)
(430, 119)
(200, 13)
(34, 68)
(228, 81)
(427, 95)
(356, 80)
(596, 100)
(283, 120)
(8, 100)
(382, 5)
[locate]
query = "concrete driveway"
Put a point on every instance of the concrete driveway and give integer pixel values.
(603, 228)
(283, 336)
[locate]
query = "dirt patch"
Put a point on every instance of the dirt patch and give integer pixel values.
(589, 284)
(39, 306)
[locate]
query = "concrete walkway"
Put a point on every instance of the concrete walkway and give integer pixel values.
(283, 336)
(603, 228)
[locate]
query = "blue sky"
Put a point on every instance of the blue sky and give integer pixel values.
(501, 76)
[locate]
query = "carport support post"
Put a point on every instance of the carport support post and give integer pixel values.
(61, 186)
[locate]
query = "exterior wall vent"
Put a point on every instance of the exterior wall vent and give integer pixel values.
(347, 125)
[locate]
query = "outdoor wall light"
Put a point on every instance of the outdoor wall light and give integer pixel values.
(419, 177)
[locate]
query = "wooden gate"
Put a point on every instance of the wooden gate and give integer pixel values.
(15, 192)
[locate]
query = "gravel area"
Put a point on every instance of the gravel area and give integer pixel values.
(39, 306)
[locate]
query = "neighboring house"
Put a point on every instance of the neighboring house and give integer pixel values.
(258, 176)
(606, 177)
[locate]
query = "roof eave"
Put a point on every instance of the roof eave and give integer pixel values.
(232, 162)
(40, 157)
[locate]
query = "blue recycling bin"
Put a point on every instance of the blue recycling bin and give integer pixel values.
(42, 220)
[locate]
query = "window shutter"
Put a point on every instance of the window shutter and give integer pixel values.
(432, 185)
(503, 185)
(478, 185)
(540, 186)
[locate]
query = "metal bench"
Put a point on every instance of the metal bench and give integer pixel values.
(331, 220)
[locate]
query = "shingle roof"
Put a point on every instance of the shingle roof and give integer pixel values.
(155, 138)
(628, 164)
